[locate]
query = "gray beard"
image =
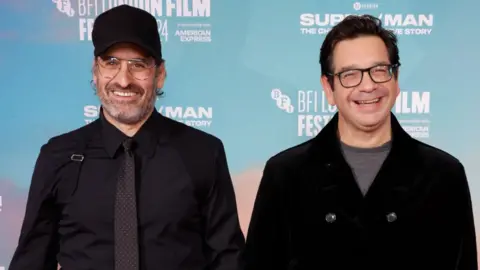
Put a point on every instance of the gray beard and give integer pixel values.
(128, 116)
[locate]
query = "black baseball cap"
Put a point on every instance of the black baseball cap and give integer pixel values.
(127, 24)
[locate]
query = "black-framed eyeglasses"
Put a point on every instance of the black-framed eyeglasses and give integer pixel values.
(379, 74)
(141, 69)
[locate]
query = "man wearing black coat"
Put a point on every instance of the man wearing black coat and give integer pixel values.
(362, 194)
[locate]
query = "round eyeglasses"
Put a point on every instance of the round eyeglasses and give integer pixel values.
(379, 74)
(141, 69)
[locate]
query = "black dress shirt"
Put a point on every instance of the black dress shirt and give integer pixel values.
(187, 214)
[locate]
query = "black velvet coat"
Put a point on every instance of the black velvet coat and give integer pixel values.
(310, 214)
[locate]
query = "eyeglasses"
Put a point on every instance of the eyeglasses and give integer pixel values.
(141, 69)
(379, 74)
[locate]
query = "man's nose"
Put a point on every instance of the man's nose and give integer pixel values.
(124, 77)
(367, 85)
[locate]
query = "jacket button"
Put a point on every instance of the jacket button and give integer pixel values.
(391, 217)
(330, 217)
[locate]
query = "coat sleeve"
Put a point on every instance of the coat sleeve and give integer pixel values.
(467, 252)
(38, 243)
(267, 239)
(224, 236)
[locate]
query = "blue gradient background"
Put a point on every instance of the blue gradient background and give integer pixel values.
(257, 46)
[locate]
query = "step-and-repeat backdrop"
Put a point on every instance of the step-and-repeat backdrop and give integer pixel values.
(244, 70)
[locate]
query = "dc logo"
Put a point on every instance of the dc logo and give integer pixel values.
(283, 101)
(65, 6)
(357, 6)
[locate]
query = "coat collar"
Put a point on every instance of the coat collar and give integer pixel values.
(328, 172)
(327, 141)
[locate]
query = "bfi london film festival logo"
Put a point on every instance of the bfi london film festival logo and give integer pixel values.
(196, 31)
(198, 117)
(417, 24)
(412, 108)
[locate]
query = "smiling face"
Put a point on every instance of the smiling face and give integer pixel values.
(364, 100)
(126, 81)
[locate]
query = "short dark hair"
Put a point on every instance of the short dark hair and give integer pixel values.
(351, 27)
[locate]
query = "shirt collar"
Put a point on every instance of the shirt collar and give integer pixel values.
(145, 139)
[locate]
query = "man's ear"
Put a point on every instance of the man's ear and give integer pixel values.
(160, 76)
(328, 89)
(94, 73)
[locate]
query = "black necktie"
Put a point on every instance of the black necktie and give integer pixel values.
(126, 230)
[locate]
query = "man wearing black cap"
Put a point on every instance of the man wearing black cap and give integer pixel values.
(133, 189)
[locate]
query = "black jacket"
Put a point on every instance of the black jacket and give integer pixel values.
(310, 214)
(187, 213)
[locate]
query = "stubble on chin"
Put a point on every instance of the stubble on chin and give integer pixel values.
(128, 113)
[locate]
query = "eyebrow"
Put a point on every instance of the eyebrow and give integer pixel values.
(350, 67)
(132, 59)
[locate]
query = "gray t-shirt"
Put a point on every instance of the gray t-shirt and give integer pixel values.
(365, 162)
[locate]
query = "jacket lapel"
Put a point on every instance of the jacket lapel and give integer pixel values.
(330, 177)
(390, 190)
